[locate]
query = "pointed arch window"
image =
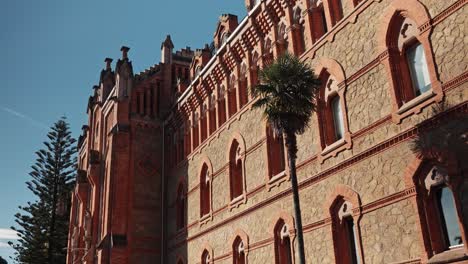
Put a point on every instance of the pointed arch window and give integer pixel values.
(346, 234)
(205, 191)
(221, 105)
(336, 11)
(236, 171)
(282, 243)
(243, 82)
(238, 251)
(187, 139)
(196, 130)
(204, 122)
(212, 113)
(254, 66)
(438, 207)
(206, 258)
(298, 31)
(410, 62)
(275, 152)
(267, 52)
(318, 20)
(334, 131)
(232, 96)
(181, 204)
(281, 39)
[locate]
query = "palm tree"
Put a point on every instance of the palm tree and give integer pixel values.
(287, 93)
(445, 140)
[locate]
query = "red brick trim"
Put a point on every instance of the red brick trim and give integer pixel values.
(456, 82)
(402, 137)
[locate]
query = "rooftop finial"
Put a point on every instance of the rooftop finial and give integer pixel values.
(124, 50)
(108, 62)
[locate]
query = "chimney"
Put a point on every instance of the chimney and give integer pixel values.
(108, 62)
(124, 52)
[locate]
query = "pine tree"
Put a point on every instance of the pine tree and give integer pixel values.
(43, 224)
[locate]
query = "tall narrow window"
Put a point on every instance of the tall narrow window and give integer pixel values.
(243, 96)
(337, 117)
(180, 207)
(345, 235)
(352, 238)
(206, 258)
(212, 114)
(410, 63)
(448, 217)
(282, 243)
(275, 148)
(437, 205)
(331, 114)
(187, 139)
(319, 23)
(204, 123)
(298, 32)
(221, 105)
(254, 70)
(418, 69)
(336, 11)
(238, 251)
(196, 130)
(205, 189)
(235, 170)
(232, 96)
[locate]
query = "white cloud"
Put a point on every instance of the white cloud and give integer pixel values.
(4, 245)
(24, 117)
(8, 234)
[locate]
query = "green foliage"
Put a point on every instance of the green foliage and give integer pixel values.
(448, 139)
(287, 92)
(43, 223)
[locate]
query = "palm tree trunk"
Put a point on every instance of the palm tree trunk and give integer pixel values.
(291, 144)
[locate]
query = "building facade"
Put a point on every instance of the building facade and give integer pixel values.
(175, 166)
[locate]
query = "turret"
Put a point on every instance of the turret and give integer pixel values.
(124, 72)
(166, 50)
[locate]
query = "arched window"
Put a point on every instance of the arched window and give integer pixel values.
(336, 11)
(281, 39)
(232, 96)
(346, 235)
(238, 251)
(331, 111)
(436, 201)
(205, 191)
(203, 123)
(254, 66)
(319, 22)
(187, 138)
(408, 58)
(181, 207)
(267, 52)
(206, 258)
(236, 174)
(282, 243)
(212, 113)
(408, 55)
(243, 94)
(221, 105)
(298, 31)
(276, 155)
(196, 130)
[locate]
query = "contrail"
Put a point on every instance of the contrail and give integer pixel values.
(25, 117)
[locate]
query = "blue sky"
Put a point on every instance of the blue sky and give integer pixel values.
(53, 51)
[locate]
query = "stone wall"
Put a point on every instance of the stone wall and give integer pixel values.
(374, 167)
